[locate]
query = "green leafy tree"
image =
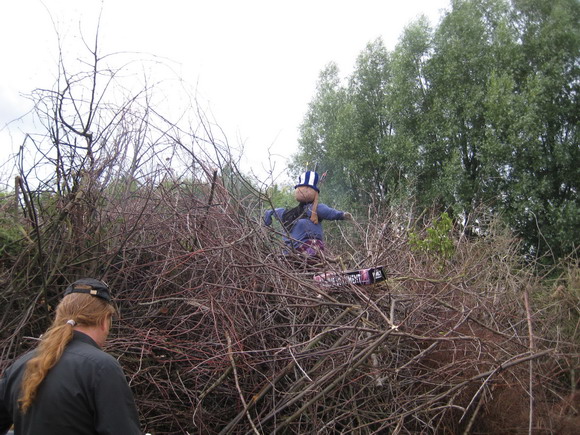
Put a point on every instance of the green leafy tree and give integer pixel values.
(481, 112)
(541, 199)
(325, 131)
(504, 87)
(348, 130)
(467, 51)
(367, 155)
(409, 104)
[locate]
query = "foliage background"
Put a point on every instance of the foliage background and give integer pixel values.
(480, 112)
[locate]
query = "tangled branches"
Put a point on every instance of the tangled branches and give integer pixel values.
(221, 334)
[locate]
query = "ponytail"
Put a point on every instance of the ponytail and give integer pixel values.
(49, 352)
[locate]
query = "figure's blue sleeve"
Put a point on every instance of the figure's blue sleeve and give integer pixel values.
(329, 213)
(277, 213)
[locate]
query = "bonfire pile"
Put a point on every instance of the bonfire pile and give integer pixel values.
(220, 333)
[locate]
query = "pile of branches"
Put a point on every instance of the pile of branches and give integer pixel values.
(221, 333)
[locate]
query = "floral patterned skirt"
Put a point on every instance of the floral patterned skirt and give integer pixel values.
(311, 247)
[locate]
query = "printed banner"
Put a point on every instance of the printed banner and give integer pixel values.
(357, 277)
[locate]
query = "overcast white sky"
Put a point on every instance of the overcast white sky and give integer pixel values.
(254, 63)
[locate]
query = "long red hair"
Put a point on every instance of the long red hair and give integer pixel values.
(85, 310)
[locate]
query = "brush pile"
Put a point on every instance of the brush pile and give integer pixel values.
(219, 333)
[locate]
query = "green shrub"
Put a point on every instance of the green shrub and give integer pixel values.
(437, 242)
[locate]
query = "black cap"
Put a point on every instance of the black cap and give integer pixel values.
(90, 286)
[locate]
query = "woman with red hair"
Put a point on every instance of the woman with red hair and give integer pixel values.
(68, 385)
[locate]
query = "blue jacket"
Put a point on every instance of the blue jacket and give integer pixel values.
(305, 229)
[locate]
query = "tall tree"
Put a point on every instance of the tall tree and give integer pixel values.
(409, 103)
(545, 164)
(324, 131)
(349, 130)
(466, 47)
(369, 153)
(503, 102)
(480, 112)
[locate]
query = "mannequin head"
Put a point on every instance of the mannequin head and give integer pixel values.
(304, 194)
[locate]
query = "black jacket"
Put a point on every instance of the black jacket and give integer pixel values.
(84, 393)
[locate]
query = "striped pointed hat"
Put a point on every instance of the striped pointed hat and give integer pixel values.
(310, 179)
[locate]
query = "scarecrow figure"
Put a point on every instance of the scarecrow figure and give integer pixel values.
(303, 223)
